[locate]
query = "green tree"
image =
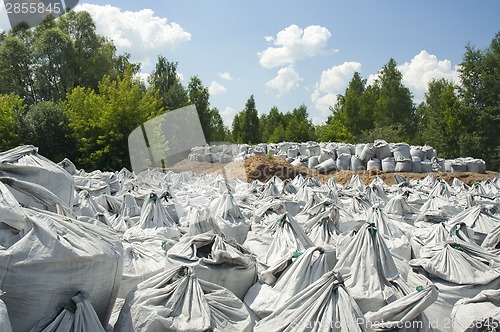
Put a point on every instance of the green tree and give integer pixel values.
(166, 83)
(251, 122)
(270, 123)
(199, 96)
(480, 78)
(394, 104)
(54, 57)
(94, 55)
(440, 117)
(219, 132)
(11, 107)
(46, 125)
(46, 62)
(237, 129)
(16, 64)
(299, 128)
(101, 122)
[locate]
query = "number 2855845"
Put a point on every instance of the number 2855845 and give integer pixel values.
(33, 8)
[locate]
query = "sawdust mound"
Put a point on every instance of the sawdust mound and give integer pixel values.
(263, 168)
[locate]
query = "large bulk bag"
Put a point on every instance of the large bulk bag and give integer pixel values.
(325, 155)
(24, 163)
(404, 165)
(373, 163)
(430, 152)
(292, 152)
(155, 222)
(77, 316)
(480, 313)
(176, 300)
(358, 149)
(417, 165)
(477, 219)
(327, 166)
(141, 260)
(371, 269)
(323, 232)
(4, 318)
(287, 238)
(426, 167)
(417, 151)
(343, 149)
(357, 164)
(458, 165)
(344, 162)
(405, 313)
(388, 164)
(476, 166)
(313, 150)
(459, 270)
(382, 149)
(368, 152)
(228, 216)
(325, 305)
(312, 162)
(401, 151)
(215, 259)
(263, 299)
(45, 258)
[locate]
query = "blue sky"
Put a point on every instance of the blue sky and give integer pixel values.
(289, 53)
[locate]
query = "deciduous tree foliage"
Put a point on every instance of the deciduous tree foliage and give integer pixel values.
(440, 118)
(101, 122)
(166, 83)
(479, 93)
(64, 88)
(11, 107)
(46, 125)
(48, 61)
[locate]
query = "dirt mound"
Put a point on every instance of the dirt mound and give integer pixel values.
(263, 168)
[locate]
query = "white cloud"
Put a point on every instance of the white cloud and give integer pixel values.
(422, 69)
(333, 81)
(140, 33)
(227, 115)
(216, 89)
(294, 43)
(225, 76)
(286, 80)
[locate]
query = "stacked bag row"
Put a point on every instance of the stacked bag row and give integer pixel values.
(159, 251)
(329, 157)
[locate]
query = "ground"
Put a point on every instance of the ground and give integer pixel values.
(263, 167)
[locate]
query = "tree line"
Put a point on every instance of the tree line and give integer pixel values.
(66, 90)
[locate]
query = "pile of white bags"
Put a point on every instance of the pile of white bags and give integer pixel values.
(45, 258)
(327, 157)
(186, 251)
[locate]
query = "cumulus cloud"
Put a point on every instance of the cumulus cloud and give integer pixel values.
(216, 88)
(422, 69)
(286, 80)
(140, 33)
(227, 115)
(225, 76)
(294, 43)
(333, 81)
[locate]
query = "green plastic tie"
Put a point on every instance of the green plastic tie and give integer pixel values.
(454, 232)
(280, 220)
(457, 247)
(296, 254)
(420, 288)
(164, 245)
(372, 228)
